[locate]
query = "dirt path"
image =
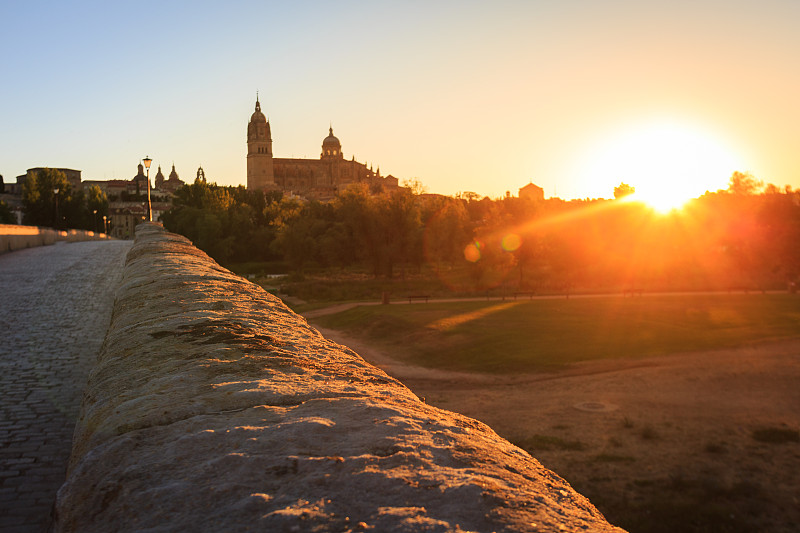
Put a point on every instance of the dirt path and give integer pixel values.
(665, 440)
(399, 369)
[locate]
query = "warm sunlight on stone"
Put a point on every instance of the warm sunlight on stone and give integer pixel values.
(668, 163)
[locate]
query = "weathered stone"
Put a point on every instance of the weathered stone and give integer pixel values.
(214, 407)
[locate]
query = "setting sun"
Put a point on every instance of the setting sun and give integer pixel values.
(666, 162)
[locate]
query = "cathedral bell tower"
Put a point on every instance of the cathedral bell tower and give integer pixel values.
(260, 173)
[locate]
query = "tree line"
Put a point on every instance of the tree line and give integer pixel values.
(48, 199)
(747, 236)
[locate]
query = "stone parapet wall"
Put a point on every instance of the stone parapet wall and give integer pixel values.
(13, 237)
(214, 407)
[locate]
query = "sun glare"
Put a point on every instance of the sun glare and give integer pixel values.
(667, 163)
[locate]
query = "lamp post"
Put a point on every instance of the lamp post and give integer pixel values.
(105, 225)
(94, 212)
(147, 162)
(55, 192)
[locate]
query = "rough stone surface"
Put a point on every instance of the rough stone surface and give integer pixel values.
(214, 407)
(55, 306)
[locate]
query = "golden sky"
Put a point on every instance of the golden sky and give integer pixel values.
(575, 96)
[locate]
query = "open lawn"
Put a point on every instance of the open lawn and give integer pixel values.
(534, 335)
(680, 414)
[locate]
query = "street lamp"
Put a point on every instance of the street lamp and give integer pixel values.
(105, 225)
(55, 192)
(94, 212)
(147, 162)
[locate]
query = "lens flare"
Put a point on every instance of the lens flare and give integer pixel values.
(511, 242)
(472, 251)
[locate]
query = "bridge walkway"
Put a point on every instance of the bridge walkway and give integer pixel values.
(55, 306)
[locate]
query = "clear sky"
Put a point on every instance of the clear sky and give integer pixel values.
(573, 95)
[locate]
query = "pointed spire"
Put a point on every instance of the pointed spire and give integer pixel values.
(258, 104)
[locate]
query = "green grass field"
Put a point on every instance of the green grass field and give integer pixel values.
(535, 335)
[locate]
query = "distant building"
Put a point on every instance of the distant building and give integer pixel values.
(115, 188)
(73, 177)
(88, 184)
(15, 188)
(160, 184)
(124, 217)
(311, 178)
(532, 192)
(173, 183)
(127, 207)
(159, 181)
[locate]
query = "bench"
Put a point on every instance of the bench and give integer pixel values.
(529, 294)
(418, 297)
(632, 292)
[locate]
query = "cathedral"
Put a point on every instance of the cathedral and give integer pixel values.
(319, 179)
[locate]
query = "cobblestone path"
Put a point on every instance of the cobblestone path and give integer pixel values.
(55, 306)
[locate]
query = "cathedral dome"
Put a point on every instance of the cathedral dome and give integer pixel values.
(331, 140)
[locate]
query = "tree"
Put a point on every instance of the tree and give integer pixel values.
(447, 231)
(414, 185)
(2, 185)
(231, 224)
(298, 239)
(622, 190)
(354, 209)
(39, 199)
(68, 208)
(744, 184)
(398, 217)
(6, 215)
(96, 206)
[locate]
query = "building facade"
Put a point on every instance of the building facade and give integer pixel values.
(319, 179)
(532, 192)
(73, 178)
